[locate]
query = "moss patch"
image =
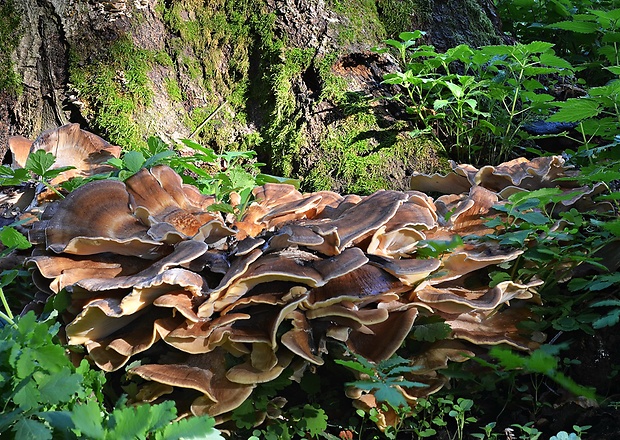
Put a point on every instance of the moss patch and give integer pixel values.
(363, 24)
(10, 20)
(358, 156)
(113, 87)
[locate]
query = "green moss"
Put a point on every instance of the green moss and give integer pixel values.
(10, 20)
(358, 156)
(396, 15)
(173, 90)
(114, 87)
(363, 24)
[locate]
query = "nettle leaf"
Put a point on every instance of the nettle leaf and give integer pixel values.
(552, 60)
(581, 27)
(11, 238)
(538, 46)
(575, 110)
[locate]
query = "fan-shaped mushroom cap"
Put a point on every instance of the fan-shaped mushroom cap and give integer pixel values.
(493, 328)
(20, 149)
(539, 172)
(459, 299)
(205, 373)
(94, 219)
(409, 271)
(386, 337)
(160, 200)
(67, 270)
(249, 374)
(77, 148)
(288, 265)
(300, 339)
(359, 221)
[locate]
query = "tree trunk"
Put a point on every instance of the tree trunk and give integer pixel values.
(288, 78)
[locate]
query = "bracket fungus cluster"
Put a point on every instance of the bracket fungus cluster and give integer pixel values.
(211, 306)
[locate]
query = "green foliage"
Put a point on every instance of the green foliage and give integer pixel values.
(45, 396)
(541, 361)
(382, 377)
(475, 102)
(10, 19)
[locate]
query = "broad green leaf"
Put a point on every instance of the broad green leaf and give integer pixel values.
(11, 238)
(613, 69)
(88, 419)
(211, 156)
(581, 27)
(27, 397)
(456, 90)
(59, 387)
(157, 158)
(575, 109)
(390, 395)
(411, 35)
(39, 162)
(549, 59)
(537, 46)
(27, 429)
(315, 420)
(438, 104)
(613, 227)
(115, 162)
(133, 161)
(193, 428)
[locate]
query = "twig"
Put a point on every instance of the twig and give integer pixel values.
(203, 123)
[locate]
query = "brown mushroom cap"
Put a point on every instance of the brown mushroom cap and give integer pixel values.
(20, 149)
(77, 148)
(94, 219)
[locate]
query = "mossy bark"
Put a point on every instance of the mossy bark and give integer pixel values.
(292, 79)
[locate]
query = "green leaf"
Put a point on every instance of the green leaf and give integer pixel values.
(27, 429)
(609, 320)
(431, 332)
(193, 428)
(59, 387)
(549, 59)
(39, 162)
(537, 46)
(575, 109)
(11, 238)
(88, 419)
(133, 161)
(27, 397)
(581, 27)
(390, 395)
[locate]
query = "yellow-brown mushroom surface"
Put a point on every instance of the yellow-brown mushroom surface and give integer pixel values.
(217, 307)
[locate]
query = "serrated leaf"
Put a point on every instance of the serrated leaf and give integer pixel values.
(609, 320)
(27, 397)
(137, 421)
(59, 387)
(315, 420)
(581, 27)
(538, 46)
(193, 428)
(390, 395)
(87, 418)
(11, 238)
(39, 162)
(27, 429)
(431, 332)
(549, 59)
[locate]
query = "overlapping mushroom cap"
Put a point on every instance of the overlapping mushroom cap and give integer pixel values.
(151, 270)
(218, 307)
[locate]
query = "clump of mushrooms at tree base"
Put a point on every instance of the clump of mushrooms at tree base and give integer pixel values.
(213, 305)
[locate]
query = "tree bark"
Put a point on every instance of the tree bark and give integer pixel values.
(289, 78)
